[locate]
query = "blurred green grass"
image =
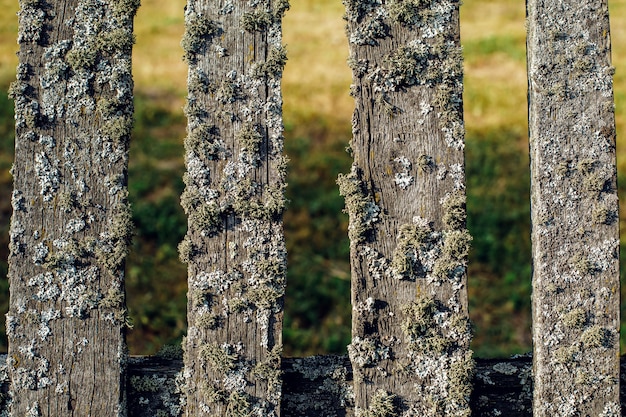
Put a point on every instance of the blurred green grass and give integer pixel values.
(317, 114)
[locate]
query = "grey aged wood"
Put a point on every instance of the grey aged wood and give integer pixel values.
(575, 234)
(321, 386)
(71, 221)
(234, 198)
(405, 196)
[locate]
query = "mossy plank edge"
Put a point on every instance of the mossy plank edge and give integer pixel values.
(234, 199)
(71, 222)
(405, 196)
(574, 209)
(316, 386)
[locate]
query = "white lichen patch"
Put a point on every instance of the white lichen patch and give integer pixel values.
(366, 352)
(48, 175)
(361, 207)
(505, 368)
(403, 179)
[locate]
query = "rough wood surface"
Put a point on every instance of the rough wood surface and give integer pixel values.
(575, 234)
(234, 198)
(71, 220)
(321, 386)
(405, 196)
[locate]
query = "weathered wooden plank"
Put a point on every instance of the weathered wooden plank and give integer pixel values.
(321, 386)
(71, 221)
(406, 199)
(574, 203)
(234, 199)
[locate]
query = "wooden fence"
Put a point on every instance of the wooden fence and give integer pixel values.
(405, 196)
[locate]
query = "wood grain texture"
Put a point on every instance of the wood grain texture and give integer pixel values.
(71, 221)
(574, 206)
(321, 386)
(406, 199)
(234, 198)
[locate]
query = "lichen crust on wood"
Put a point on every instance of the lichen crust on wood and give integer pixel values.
(71, 222)
(405, 196)
(234, 199)
(574, 209)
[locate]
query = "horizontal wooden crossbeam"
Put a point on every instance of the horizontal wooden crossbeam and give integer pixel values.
(321, 386)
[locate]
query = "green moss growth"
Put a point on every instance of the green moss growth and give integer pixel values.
(409, 12)
(125, 8)
(190, 198)
(120, 231)
(199, 138)
(596, 336)
(220, 359)
(144, 384)
(269, 369)
(453, 258)
(17, 89)
(238, 305)
(582, 264)
(256, 21)
(212, 395)
(460, 377)
(186, 250)
(410, 238)
(406, 65)
(586, 166)
(67, 201)
(273, 65)
(209, 321)
(454, 213)
(171, 352)
(84, 58)
(117, 40)
(199, 31)
(595, 182)
(249, 138)
(275, 200)
(382, 404)
(564, 355)
(118, 129)
(228, 92)
(423, 334)
(575, 319)
(426, 163)
(360, 206)
(239, 405)
(207, 217)
(601, 215)
(456, 246)
(114, 299)
(265, 297)
(109, 107)
(280, 8)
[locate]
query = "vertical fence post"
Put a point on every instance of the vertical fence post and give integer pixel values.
(405, 196)
(71, 221)
(234, 198)
(574, 206)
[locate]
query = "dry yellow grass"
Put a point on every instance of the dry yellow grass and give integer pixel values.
(316, 78)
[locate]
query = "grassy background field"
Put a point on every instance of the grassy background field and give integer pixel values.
(317, 113)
